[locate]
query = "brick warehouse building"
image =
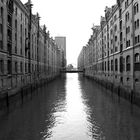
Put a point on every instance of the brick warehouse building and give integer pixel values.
(112, 54)
(28, 54)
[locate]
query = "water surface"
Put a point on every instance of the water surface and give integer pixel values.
(72, 108)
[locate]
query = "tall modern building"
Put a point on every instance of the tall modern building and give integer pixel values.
(61, 42)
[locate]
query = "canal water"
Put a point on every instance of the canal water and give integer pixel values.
(72, 108)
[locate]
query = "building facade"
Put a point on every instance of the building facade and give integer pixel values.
(28, 54)
(112, 54)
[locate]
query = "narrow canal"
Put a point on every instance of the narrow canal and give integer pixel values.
(72, 108)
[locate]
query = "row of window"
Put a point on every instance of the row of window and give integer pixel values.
(127, 15)
(136, 10)
(18, 68)
(110, 66)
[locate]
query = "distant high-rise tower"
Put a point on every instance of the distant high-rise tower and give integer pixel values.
(61, 42)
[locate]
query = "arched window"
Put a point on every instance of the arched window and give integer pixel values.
(105, 65)
(9, 66)
(128, 63)
(121, 64)
(116, 64)
(127, 16)
(136, 8)
(137, 58)
(137, 62)
(16, 70)
(112, 65)
(138, 23)
(108, 66)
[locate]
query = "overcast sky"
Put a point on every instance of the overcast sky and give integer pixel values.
(71, 18)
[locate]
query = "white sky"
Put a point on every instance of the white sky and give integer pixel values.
(71, 18)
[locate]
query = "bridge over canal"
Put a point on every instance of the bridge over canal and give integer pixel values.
(72, 71)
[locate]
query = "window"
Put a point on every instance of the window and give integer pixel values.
(120, 13)
(127, 29)
(138, 23)
(137, 62)
(137, 39)
(121, 37)
(9, 20)
(112, 65)
(116, 48)
(1, 29)
(108, 66)
(126, 3)
(136, 8)
(16, 11)
(121, 64)
(128, 43)
(15, 25)
(16, 67)
(21, 29)
(105, 65)
(1, 44)
(127, 17)
(115, 38)
(21, 67)
(1, 66)
(137, 58)
(115, 28)
(116, 64)
(121, 25)
(1, 13)
(111, 41)
(21, 16)
(9, 66)
(15, 42)
(128, 63)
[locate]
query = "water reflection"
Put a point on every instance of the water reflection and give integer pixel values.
(72, 108)
(71, 117)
